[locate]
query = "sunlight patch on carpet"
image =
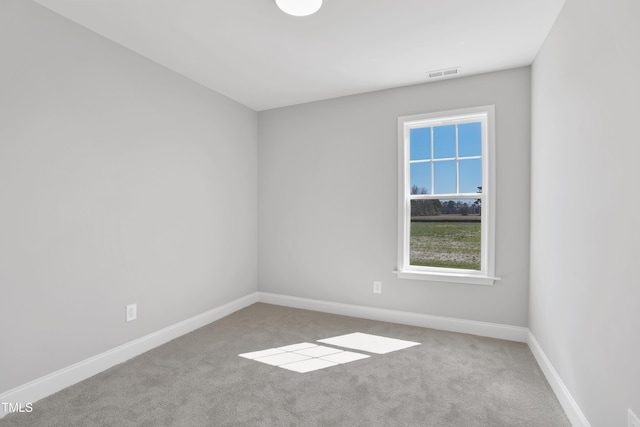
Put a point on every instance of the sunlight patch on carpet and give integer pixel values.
(306, 357)
(369, 343)
(303, 357)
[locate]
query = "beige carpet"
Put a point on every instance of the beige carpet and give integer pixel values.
(199, 380)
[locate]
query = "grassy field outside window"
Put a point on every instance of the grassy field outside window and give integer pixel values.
(448, 244)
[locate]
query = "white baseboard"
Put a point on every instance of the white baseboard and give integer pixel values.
(491, 330)
(56, 381)
(569, 405)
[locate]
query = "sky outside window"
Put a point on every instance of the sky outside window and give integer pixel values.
(420, 144)
(442, 174)
(444, 142)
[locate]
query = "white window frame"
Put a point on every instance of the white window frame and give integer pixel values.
(486, 274)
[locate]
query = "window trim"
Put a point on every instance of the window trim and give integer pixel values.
(486, 275)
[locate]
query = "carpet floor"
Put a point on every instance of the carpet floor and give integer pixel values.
(198, 379)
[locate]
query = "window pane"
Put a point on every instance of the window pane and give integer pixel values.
(470, 139)
(450, 239)
(444, 142)
(420, 144)
(470, 175)
(445, 177)
(421, 178)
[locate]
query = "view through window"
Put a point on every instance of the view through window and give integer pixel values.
(444, 166)
(446, 195)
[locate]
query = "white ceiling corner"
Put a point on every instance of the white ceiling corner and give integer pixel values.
(253, 53)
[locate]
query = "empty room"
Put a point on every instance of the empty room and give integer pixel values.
(319, 213)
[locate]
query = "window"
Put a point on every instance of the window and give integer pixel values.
(446, 196)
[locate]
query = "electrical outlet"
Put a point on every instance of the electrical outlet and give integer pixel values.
(132, 312)
(634, 421)
(377, 287)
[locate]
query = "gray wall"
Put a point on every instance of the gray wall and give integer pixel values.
(120, 182)
(585, 289)
(328, 199)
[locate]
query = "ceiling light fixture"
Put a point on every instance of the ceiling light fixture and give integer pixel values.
(299, 7)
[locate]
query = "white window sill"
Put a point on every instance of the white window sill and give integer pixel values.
(468, 279)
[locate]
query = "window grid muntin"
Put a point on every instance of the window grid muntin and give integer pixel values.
(482, 118)
(457, 158)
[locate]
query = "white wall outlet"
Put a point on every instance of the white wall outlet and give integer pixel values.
(634, 421)
(132, 312)
(377, 287)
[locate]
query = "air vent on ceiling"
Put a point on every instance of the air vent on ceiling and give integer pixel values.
(448, 72)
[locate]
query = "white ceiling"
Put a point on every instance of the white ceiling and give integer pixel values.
(253, 53)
